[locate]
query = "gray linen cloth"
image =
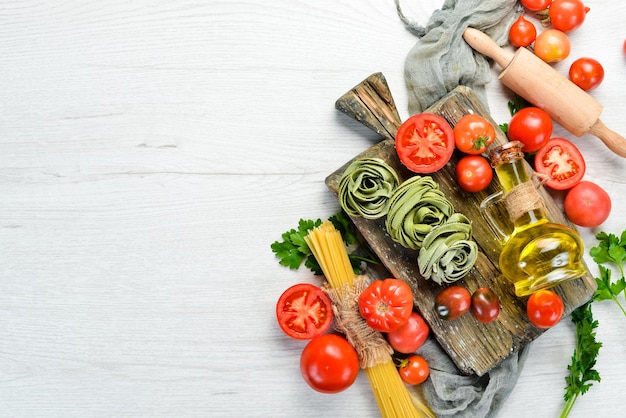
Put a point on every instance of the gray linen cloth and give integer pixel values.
(440, 61)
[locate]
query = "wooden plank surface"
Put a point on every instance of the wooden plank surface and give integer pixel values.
(511, 330)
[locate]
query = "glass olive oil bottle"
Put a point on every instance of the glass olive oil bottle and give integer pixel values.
(538, 254)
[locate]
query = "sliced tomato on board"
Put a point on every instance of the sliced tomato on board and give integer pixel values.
(561, 162)
(304, 311)
(424, 143)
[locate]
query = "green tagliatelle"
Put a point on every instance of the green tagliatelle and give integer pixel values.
(448, 253)
(415, 208)
(365, 188)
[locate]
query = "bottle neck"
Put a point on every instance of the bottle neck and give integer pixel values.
(511, 174)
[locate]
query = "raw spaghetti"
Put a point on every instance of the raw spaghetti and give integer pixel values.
(391, 394)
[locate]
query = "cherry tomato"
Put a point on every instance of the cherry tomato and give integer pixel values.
(586, 73)
(624, 47)
(329, 364)
(409, 337)
(536, 5)
(485, 305)
(544, 308)
(304, 311)
(473, 133)
(473, 173)
(552, 45)
(452, 302)
(567, 15)
(386, 304)
(587, 204)
(424, 143)
(414, 370)
(561, 162)
(522, 32)
(532, 127)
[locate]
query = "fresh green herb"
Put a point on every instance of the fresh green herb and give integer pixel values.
(608, 290)
(581, 370)
(293, 249)
(611, 250)
(517, 104)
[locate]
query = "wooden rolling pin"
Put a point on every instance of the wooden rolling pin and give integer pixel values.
(540, 84)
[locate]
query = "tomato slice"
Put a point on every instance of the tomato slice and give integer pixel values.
(424, 143)
(561, 162)
(304, 311)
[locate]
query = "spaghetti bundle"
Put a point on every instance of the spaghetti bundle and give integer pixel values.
(392, 396)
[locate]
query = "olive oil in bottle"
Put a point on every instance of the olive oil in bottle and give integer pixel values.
(538, 254)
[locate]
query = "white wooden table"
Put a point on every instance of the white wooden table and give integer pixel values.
(150, 153)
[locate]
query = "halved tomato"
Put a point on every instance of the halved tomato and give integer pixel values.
(561, 162)
(304, 311)
(424, 143)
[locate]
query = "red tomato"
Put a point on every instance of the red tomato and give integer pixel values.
(409, 337)
(473, 173)
(561, 162)
(586, 73)
(424, 143)
(452, 302)
(414, 370)
(473, 133)
(522, 32)
(552, 45)
(304, 311)
(536, 5)
(544, 308)
(624, 47)
(567, 15)
(485, 305)
(587, 204)
(329, 364)
(386, 304)
(532, 127)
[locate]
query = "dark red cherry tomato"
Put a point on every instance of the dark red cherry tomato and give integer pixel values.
(424, 143)
(561, 163)
(485, 305)
(409, 337)
(544, 308)
(452, 302)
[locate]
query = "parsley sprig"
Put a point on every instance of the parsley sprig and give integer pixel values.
(293, 250)
(581, 370)
(612, 251)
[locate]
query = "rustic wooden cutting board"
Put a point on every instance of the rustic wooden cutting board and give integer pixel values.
(474, 347)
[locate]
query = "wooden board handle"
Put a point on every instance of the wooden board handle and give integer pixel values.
(614, 141)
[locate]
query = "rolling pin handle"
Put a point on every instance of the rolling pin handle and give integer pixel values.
(614, 141)
(486, 46)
